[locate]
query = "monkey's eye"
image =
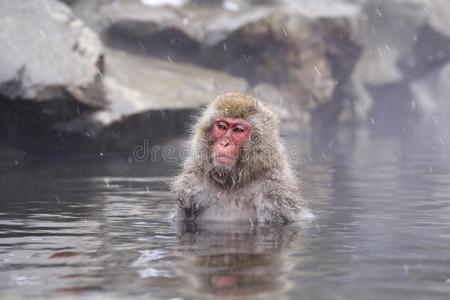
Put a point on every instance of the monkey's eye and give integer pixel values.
(222, 126)
(238, 129)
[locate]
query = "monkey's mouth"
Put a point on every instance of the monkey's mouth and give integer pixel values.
(225, 160)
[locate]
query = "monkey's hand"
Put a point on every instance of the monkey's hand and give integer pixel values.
(186, 208)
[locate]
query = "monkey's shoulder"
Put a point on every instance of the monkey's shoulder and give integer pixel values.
(268, 202)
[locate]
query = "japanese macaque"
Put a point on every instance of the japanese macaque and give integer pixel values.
(237, 170)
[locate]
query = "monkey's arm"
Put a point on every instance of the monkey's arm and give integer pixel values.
(186, 206)
(280, 203)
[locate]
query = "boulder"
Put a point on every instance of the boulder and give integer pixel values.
(431, 48)
(150, 99)
(403, 39)
(305, 55)
(47, 53)
(438, 11)
(387, 31)
(62, 91)
(405, 42)
(431, 92)
(306, 52)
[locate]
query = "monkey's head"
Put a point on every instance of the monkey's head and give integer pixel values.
(236, 140)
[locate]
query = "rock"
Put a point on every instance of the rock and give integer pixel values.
(136, 84)
(438, 11)
(387, 32)
(167, 83)
(431, 92)
(47, 53)
(304, 56)
(430, 51)
(77, 96)
(404, 41)
(277, 103)
(149, 100)
(305, 51)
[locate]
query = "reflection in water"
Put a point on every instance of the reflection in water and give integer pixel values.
(381, 198)
(239, 260)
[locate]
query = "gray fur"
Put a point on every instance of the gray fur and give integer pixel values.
(261, 188)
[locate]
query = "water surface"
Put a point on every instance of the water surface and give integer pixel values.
(381, 196)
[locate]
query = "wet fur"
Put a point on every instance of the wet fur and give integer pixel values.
(261, 188)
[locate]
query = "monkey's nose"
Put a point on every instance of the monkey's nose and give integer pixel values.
(224, 142)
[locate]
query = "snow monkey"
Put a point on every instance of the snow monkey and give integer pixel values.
(237, 170)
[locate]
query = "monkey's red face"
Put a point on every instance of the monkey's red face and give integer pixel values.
(228, 135)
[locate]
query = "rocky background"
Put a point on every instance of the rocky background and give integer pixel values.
(100, 76)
